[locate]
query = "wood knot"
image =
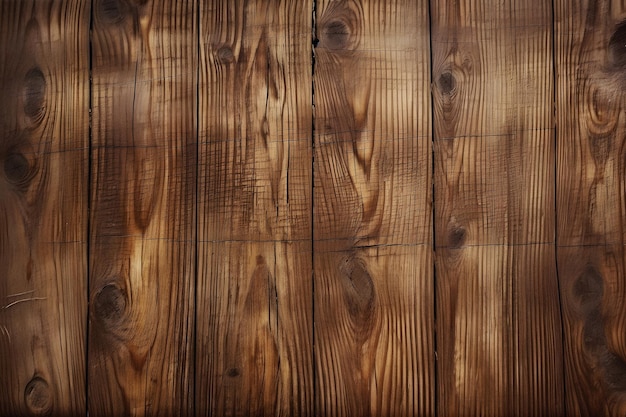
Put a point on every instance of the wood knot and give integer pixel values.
(38, 397)
(233, 372)
(457, 237)
(17, 169)
(225, 55)
(593, 330)
(617, 47)
(588, 289)
(337, 34)
(34, 93)
(110, 304)
(359, 291)
(447, 82)
(112, 11)
(615, 369)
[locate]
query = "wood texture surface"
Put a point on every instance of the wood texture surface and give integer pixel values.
(327, 208)
(254, 349)
(142, 250)
(44, 133)
(374, 324)
(591, 202)
(499, 332)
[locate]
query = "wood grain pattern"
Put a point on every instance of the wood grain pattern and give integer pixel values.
(302, 208)
(499, 332)
(591, 202)
(44, 131)
(254, 350)
(374, 325)
(142, 274)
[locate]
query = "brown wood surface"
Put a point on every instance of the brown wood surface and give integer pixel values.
(374, 324)
(44, 134)
(142, 243)
(254, 342)
(312, 208)
(591, 202)
(498, 320)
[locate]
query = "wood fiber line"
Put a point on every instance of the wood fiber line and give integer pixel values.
(499, 331)
(254, 349)
(44, 130)
(591, 202)
(374, 324)
(143, 208)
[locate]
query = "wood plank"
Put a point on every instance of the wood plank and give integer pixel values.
(374, 324)
(44, 131)
(592, 288)
(498, 315)
(143, 208)
(591, 201)
(254, 350)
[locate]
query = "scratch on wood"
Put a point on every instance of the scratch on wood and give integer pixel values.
(20, 293)
(23, 300)
(5, 330)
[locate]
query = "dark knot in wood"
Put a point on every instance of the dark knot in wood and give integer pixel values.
(16, 168)
(225, 55)
(110, 304)
(34, 94)
(457, 237)
(336, 34)
(617, 48)
(447, 82)
(359, 292)
(38, 397)
(588, 289)
(113, 11)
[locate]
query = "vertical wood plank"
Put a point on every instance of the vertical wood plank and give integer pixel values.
(144, 70)
(44, 131)
(499, 331)
(254, 350)
(591, 201)
(374, 324)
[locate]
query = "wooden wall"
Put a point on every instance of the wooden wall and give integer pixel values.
(312, 208)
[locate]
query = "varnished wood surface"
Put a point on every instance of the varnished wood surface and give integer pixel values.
(44, 139)
(374, 296)
(494, 210)
(254, 343)
(591, 202)
(312, 208)
(142, 219)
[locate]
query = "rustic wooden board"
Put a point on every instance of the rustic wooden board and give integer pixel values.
(142, 243)
(592, 287)
(591, 202)
(44, 131)
(266, 194)
(374, 324)
(499, 332)
(254, 340)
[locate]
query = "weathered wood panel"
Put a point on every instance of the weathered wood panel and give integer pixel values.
(591, 202)
(304, 195)
(142, 248)
(44, 133)
(374, 324)
(499, 332)
(254, 349)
